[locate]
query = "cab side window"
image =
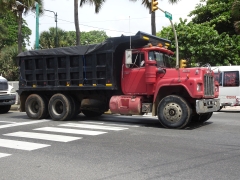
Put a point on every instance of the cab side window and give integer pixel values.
(137, 58)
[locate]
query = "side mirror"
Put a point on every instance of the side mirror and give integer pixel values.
(128, 56)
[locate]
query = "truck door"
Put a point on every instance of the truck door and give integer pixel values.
(133, 75)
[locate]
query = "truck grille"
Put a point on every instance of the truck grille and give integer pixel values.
(3, 85)
(208, 85)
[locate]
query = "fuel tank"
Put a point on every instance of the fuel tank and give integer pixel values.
(128, 105)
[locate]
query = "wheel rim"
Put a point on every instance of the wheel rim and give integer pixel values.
(34, 107)
(57, 107)
(172, 112)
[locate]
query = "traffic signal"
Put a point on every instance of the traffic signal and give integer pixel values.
(154, 6)
(183, 63)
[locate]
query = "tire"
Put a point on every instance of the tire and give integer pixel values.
(60, 107)
(75, 107)
(4, 109)
(174, 112)
(202, 117)
(36, 106)
(88, 113)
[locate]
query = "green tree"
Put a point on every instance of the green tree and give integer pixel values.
(147, 4)
(3, 32)
(201, 44)
(93, 37)
(236, 15)
(10, 26)
(18, 8)
(8, 63)
(68, 38)
(97, 3)
(47, 38)
(215, 13)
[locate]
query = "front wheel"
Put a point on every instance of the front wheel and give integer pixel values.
(174, 112)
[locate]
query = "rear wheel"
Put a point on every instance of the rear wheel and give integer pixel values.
(36, 106)
(75, 107)
(91, 113)
(174, 112)
(4, 109)
(202, 117)
(60, 107)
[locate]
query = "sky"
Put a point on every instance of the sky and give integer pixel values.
(116, 17)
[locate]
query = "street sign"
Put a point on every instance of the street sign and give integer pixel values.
(168, 15)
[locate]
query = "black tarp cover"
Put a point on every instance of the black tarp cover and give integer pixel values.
(109, 45)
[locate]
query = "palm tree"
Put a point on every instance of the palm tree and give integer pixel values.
(236, 15)
(19, 8)
(97, 3)
(47, 39)
(147, 4)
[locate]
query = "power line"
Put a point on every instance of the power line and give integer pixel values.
(99, 21)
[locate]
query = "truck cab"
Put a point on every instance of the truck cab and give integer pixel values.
(7, 95)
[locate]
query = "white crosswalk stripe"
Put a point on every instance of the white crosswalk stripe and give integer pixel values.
(4, 155)
(71, 131)
(53, 134)
(22, 123)
(28, 146)
(111, 124)
(50, 137)
(91, 126)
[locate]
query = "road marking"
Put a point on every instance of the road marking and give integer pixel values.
(111, 124)
(22, 123)
(4, 155)
(50, 137)
(9, 122)
(71, 131)
(28, 146)
(90, 126)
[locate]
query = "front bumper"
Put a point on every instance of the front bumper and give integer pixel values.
(207, 105)
(7, 99)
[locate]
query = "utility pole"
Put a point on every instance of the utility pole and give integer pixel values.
(37, 26)
(20, 9)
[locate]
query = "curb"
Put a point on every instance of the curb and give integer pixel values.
(15, 107)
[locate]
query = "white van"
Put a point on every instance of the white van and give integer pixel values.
(7, 95)
(229, 89)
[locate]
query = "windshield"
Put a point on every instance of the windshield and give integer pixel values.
(163, 60)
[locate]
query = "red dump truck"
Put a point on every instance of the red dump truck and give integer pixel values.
(130, 75)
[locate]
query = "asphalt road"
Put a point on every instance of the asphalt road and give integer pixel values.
(116, 147)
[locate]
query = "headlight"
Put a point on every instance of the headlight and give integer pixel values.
(199, 87)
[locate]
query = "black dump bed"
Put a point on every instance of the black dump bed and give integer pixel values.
(89, 67)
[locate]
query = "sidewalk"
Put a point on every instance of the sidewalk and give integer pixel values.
(229, 108)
